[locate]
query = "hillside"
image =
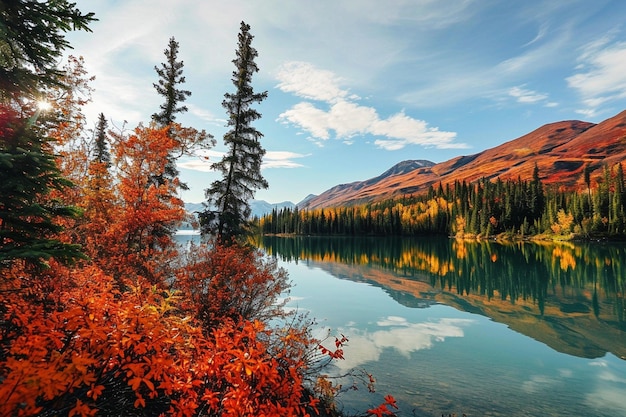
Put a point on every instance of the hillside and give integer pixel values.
(561, 150)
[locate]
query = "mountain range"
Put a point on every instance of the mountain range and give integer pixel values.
(259, 207)
(560, 150)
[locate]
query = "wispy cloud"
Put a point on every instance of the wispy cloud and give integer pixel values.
(543, 30)
(344, 118)
(205, 114)
(282, 159)
(304, 80)
(272, 159)
(601, 76)
(523, 95)
(202, 161)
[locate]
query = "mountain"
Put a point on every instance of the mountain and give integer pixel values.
(259, 207)
(338, 192)
(305, 201)
(262, 207)
(560, 150)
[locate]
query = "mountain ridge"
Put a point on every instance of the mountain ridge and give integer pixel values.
(560, 150)
(259, 208)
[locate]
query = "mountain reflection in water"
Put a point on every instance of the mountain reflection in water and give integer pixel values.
(568, 296)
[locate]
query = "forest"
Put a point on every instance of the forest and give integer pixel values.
(509, 209)
(101, 311)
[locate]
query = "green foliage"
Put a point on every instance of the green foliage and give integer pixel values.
(32, 42)
(228, 198)
(28, 216)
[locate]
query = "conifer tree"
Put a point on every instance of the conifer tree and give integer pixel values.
(28, 174)
(227, 206)
(31, 42)
(170, 76)
(101, 152)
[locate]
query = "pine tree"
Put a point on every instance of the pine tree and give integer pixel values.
(101, 152)
(227, 206)
(170, 76)
(32, 41)
(28, 174)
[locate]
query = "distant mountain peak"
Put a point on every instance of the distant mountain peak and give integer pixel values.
(401, 168)
(405, 167)
(258, 208)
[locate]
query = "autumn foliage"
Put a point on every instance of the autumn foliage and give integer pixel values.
(103, 313)
(86, 348)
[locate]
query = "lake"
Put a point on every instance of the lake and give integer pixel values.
(481, 328)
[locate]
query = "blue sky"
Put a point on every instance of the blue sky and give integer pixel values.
(356, 86)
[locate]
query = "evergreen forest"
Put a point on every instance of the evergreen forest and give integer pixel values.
(484, 209)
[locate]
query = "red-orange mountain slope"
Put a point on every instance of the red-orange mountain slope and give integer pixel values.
(561, 150)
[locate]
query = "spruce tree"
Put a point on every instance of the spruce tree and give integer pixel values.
(170, 76)
(227, 207)
(101, 152)
(28, 174)
(31, 42)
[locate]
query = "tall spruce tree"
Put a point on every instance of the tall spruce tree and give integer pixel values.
(170, 77)
(28, 217)
(227, 208)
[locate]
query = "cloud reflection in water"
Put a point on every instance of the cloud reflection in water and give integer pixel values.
(398, 334)
(609, 389)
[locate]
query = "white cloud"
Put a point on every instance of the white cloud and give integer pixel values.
(281, 159)
(346, 118)
(609, 386)
(601, 76)
(523, 95)
(204, 114)
(538, 383)
(272, 159)
(306, 81)
(203, 160)
(309, 118)
(401, 130)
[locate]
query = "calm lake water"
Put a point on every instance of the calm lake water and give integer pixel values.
(484, 329)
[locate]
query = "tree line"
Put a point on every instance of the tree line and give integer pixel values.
(512, 208)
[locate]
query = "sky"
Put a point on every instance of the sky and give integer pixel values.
(356, 86)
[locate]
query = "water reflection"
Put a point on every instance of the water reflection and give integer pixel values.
(570, 297)
(398, 334)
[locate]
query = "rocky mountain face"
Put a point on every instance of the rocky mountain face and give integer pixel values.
(560, 150)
